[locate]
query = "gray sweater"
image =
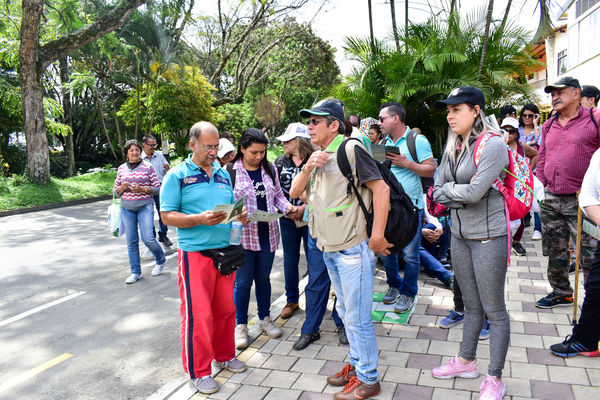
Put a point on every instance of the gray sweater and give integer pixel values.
(477, 210)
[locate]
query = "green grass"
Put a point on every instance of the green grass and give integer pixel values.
(18, 192)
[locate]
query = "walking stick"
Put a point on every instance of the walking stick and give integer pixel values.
(577, 261)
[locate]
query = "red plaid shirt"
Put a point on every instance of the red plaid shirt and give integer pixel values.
(275, 201)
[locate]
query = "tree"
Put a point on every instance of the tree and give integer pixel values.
(394, 27)
(371, 36)
(486, 34)
(270, 110)
(35, 58)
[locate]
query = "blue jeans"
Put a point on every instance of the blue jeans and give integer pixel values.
(537, 222)
(412, 265)
(433, 267)
(257, 269)
(144, 218)
(163, 227)
(291, 237)
(317, 290)
(351, 272)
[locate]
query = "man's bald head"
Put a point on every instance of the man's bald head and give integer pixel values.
(202, 127)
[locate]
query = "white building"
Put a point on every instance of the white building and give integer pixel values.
(575, 51)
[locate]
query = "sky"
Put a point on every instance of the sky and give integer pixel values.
(341, 18)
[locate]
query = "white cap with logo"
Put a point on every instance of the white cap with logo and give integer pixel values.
(293, 131)
(225, 146)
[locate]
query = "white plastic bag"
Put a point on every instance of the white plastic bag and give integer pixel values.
(114, 218)
(539, 195)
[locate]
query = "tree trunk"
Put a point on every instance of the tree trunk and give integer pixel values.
(67, 117)
(33, 61)
(117, 125)
(394, 28)
(505, 18)
(452, 6)
(486, 35)
(137, 104)
(101, 114)
(371, 27)
(31, 73)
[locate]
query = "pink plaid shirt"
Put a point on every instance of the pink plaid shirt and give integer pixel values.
(275, 201)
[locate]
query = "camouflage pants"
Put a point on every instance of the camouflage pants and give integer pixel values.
(559, 222)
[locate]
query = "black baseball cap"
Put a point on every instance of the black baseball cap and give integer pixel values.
(567, 81)
(324, 108)
(463, 94)
(590, 91)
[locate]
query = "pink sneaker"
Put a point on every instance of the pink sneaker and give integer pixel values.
(454, 369)
(492, 388)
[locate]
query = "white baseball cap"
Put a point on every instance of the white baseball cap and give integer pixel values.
(293, 131)
(225, 146)
(510, 121)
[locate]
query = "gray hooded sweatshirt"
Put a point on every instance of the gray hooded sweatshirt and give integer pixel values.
(477, 210)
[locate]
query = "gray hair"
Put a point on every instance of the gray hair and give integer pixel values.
(341, 128)
(199, 127)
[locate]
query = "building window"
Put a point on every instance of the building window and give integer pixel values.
(583, 5)
(561, 62)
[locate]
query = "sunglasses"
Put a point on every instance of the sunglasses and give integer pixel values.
(315, 121)
(527, 115)
(512, 131)
(381, 119)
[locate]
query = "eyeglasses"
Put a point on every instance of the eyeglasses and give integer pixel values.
(527, 115)
(209, 148)
(511, 131)
(150, 145)
(381, 119)
(315, 121)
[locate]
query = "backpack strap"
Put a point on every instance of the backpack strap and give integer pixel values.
(592, 117)
(231, 171)
(346, 170)
(412, 146)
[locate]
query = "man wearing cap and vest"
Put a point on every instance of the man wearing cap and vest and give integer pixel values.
(570, 138)
(339, 225)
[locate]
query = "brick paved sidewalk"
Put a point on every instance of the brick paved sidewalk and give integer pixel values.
(407, 353)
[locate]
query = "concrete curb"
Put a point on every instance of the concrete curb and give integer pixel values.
(54, 205)
(182, 388)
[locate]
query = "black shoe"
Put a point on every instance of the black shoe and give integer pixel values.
(554, 300)
(518, 248)
(165, 240)
(572, 267)
(571, 348)
(306, 339)
(342, 334)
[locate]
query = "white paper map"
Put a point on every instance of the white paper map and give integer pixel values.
(264, 216)
(232, 210)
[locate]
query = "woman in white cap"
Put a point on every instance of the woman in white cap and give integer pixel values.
(298, 148)
(478, 245)
(226, 151)
(511, 127)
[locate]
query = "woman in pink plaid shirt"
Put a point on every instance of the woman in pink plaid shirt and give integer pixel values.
(256, 178)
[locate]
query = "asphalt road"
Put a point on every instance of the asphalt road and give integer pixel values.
(69, 326)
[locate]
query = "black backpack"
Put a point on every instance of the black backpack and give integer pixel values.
(403, 217)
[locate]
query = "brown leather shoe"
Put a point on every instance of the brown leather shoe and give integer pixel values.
(356, 390)
(343, 377)
(289, 310)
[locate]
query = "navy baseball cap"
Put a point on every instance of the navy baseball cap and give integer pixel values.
(567, 81)
(324, 108)
(463, 94)
(590, 91)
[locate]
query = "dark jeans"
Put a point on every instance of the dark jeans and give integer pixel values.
(257, 269)
(428, 260)
(587, 330)
(291, 237)
(317, 290)
(163, 228)
(519, 233)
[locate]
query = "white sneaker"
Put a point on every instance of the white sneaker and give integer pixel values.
(241, 336)
(133, 278)
(537, 235)
(268, 326)
(158, 269)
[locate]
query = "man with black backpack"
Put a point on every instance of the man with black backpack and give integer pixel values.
(408, 167)
(340, 227)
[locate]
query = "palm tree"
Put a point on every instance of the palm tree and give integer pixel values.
(394, 29)
(486, 34)
(371, 27)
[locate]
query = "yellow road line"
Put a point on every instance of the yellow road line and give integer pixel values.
(34, 371)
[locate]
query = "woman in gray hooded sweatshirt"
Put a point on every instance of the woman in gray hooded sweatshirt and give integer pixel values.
(479, 243)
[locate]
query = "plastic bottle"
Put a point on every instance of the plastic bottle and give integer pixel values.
(235, 236)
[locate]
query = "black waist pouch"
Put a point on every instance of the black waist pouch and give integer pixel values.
(227, 259)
